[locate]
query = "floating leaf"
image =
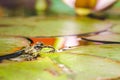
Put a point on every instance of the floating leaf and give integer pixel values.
(49, 26)
(106, 50)
(105, 37)
(116, 29)
(86, 67)
(43, 69)
(82, 63)
(11, 44)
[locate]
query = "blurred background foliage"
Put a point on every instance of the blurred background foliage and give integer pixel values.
(45, 7)
(34, 7)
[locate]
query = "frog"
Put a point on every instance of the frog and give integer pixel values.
(32, 52)
(28, 53)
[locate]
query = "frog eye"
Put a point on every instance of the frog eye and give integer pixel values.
(38, 45)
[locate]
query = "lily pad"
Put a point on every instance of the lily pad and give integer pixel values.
(86, 67)
(61, 67)
(43, 69)
(11, 44)
(50, 26)
(105, 50)
(105, 37)
(116, 29)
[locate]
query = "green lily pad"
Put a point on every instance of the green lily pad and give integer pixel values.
(49, 26)
(104, 37)
(105, 50)
(116, 29)
(86, 67)
(61, 66)
(43, 69)
(11, 44)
